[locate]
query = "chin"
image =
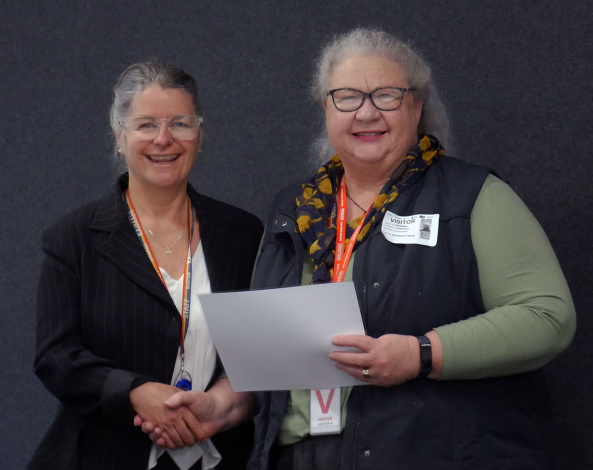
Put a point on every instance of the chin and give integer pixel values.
(370, 158)
(168, 180)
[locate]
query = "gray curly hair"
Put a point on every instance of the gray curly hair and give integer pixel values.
(363, 41)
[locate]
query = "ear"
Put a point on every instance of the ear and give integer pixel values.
(418, 105)
(120, 139)
(200, 139)
(324, 104)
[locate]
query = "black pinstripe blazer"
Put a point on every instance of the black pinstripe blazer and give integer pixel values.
(106, 323)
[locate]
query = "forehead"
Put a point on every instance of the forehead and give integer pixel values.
(367, 72)
(162, 102)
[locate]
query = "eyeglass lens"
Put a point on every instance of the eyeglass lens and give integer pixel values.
(183, 127)
(384, 99)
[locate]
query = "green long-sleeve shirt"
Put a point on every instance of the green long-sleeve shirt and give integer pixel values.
(529, 316)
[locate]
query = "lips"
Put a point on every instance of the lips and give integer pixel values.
(163, 158)
(369, 133)
(368, 136)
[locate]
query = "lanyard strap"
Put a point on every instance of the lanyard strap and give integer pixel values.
(343, 252)
(186, 300)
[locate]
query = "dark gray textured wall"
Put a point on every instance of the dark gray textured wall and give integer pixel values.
(516, 75)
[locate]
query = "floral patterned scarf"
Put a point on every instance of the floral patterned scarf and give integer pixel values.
(316, 206)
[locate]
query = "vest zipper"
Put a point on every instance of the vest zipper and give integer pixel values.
(354, 446)
(363, 307)
(364, 276)
(364, 316)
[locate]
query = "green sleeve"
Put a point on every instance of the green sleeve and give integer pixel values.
(530, 315)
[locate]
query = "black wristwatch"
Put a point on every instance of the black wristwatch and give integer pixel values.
(425, 357)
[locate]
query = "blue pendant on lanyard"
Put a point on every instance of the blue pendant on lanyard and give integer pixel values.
(183, 381)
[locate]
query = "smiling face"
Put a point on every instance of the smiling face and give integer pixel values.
(162, 161)
(368, 138)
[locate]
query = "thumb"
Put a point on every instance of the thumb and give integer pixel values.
(179, 399)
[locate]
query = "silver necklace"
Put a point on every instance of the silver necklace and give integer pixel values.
(168, 250)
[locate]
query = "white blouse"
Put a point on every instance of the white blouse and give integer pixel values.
(200, 360)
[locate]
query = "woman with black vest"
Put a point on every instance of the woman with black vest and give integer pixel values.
(461, 295)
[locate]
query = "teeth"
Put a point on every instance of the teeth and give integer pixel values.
(163, 158)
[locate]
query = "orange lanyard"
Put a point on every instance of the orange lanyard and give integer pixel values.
(343, 251)
(186, 299)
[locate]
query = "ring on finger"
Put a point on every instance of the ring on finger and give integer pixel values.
(366, 373)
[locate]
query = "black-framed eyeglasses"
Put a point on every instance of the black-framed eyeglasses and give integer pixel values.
(384, 99)
(181, 127)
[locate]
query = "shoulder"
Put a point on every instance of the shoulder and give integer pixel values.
(286, 197)
(449, 187)
(76, 221)
(498, 202)
(210, 209)
(101, 213)
(454, 168)
(77, 225)
(496, 188)
(283, 202)
(67, 238)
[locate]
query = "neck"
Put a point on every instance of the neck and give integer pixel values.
(364, 190)
(365, 180)
(159, 207)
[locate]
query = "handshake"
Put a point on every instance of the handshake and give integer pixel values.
(174, 419)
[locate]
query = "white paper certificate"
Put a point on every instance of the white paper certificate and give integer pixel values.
(279, 339)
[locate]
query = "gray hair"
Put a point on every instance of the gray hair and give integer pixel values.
(362, 41)
(137, 77)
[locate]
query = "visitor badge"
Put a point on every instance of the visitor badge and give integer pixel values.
(325, 411)
(419, 229)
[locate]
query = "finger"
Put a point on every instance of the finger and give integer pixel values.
(355, 372)
(137, 421)
(172, 439)
(156, 435)
(194, 425)
(169, 444)
(362, 342)
(350, 359)
(147, 427)
(185, 434)
(181, 428)
(164, 441)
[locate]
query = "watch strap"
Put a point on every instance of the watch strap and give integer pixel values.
(425, 356)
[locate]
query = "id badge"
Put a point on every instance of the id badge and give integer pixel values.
(419, 229)
(325, 411)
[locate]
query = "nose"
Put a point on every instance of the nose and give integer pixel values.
(367, 112)
(163, 134)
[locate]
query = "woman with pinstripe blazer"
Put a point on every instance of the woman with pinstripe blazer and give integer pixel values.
(119, 325)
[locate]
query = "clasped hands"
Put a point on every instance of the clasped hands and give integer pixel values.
(174, 418)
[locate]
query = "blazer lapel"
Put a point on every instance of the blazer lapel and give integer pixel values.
(122, 247)
(214, 225)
